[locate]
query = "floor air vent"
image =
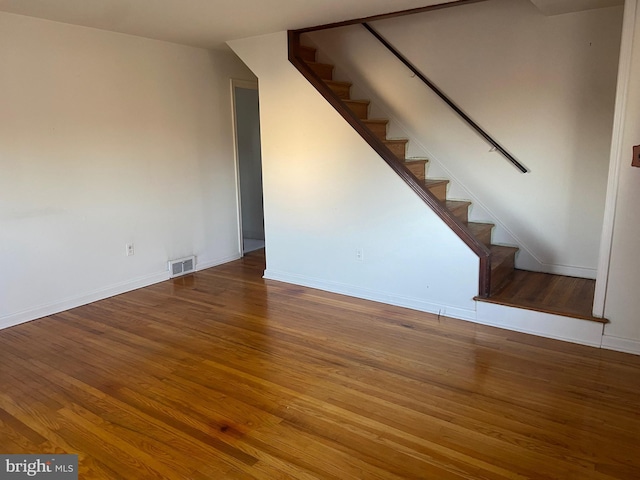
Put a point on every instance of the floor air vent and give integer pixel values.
(182, 266)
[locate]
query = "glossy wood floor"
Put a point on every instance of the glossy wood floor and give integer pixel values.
(223, 375)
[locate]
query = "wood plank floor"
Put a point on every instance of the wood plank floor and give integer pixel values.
(544, 292)
(223, 375)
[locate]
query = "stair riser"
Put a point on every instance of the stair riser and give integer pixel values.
(398, 149)
(307, 54)
(501, 275)
(341, 91)
(379, 129)
(417, 168)
(440, 191)
(325, 72)
(360, 109)
(462, 213)
(485, 238)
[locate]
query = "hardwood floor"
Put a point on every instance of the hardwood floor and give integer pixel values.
(223, 375)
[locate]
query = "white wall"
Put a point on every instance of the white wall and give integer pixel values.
(542, 86)
(622, 303)
(328, 194)
(107, 139)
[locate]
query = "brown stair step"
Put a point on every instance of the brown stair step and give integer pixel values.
(323, 70)
(459, 208)
(359, 107)
(438, 187)
(417, 166)
(341, 89)
(398, 146)
(502, 266)
(308, 54)
(548, 293)
(482, 231)
(378, 126)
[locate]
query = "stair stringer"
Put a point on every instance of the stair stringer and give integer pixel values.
(526, 259)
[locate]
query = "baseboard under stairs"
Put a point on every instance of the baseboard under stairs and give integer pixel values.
(546, 297)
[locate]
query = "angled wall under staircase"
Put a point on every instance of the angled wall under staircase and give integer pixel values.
(502, 258)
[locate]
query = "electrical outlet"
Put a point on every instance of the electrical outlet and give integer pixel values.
(636, 156)
(129, 249)
(359, 254)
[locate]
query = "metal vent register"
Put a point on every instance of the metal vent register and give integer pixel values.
(182, 266)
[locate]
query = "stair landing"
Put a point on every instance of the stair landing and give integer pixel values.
(544, 292)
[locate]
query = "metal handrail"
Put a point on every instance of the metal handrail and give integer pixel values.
(446, 99)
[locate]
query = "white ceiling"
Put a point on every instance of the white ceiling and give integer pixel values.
(209, 23)
(557, 7)
(204, 23)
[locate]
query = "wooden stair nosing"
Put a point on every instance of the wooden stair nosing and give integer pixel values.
(550, 311)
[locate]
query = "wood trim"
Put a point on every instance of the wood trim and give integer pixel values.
(384, 16)
(461, 230)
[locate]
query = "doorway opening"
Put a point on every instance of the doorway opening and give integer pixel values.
(249, 165)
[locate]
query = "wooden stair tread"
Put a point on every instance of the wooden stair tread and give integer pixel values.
(548, 293)
(327, 65)
(361, 102)
(395, 140)
(478, 228)
(381, 121)
(416, 160)
(338, 82)
(455, 204)
(432, 182)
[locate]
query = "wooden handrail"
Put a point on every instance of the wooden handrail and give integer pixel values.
(459, 228)
(445, 98)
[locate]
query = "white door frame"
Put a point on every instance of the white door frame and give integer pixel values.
(617, 157)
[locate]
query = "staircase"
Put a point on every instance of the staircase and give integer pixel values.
(502, 258)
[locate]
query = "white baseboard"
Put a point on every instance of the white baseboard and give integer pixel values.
(77, 301)
(546, 325)
(376, 296)
(569, 271)
(100, 294)
(621, 344)
(202, 264)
